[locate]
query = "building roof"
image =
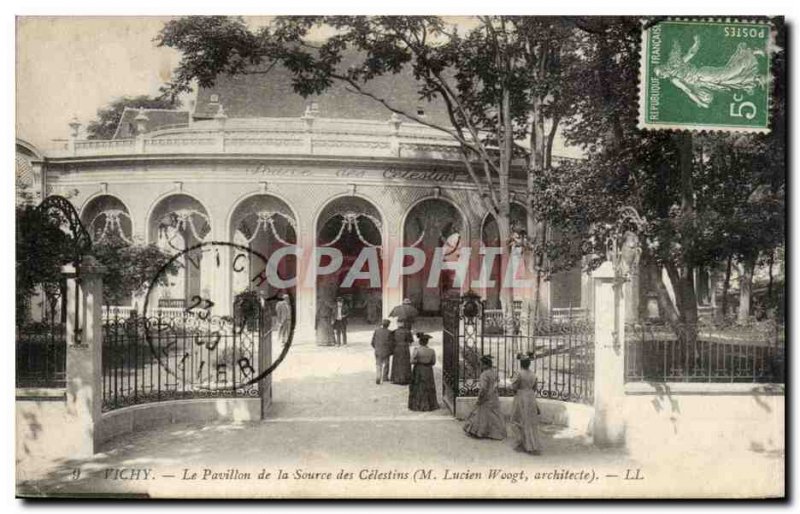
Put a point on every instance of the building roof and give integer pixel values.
(157, 119)
(271, 95)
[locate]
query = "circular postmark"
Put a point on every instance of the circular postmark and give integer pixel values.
(205, 346)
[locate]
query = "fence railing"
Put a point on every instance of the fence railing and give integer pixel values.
(561, 350)
(41, 355)
(663, 353)
(183, 356)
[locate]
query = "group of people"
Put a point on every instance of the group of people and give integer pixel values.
(487, 421)
(332, 322)
(394, 361)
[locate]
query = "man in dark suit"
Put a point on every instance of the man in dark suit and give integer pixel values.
(382, 342)
(340, 313)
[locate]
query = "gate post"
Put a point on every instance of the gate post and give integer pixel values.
(84, 351)
(609, 371)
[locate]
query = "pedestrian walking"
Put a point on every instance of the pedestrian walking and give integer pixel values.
(406, 314)
(340, 313)
(422, 391)
(525, 410)
(283, 313)
(324, 323)
(401, 357)
(382, 342)
(486, 421)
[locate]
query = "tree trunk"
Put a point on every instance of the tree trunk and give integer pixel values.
(726, 286)
(771, 278)
(506, 293)
(685, 278)
(666, 308)
(745, 289)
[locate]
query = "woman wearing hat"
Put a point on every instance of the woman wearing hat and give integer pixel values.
(486, 420)
(401, 356)
(525, 410)
(422, 392)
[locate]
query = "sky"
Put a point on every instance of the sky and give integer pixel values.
(72, 66)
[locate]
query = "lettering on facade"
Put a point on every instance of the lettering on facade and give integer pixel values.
(273, 171)
(349, 173)
(429, 176)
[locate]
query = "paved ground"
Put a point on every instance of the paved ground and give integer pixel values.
(330, 417)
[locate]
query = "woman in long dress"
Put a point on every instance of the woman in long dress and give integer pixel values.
(401, 357)
(525, 410)
(486, 420)
(422, 391)
(324, 326)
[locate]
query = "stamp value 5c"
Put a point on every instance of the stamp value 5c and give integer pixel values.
(705, 75)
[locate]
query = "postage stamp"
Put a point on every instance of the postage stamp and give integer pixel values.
(705, 75)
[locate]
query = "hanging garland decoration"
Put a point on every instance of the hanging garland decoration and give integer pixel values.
(172, 223)
(112, 225)
(453, 242)
(267, 219)
(350, 221)
(419, 240)
(450, 243)
(422, 229)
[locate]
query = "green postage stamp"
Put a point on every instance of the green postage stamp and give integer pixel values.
(705, 75)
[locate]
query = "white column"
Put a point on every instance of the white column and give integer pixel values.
(609, 363)
(84, 352)
(306, 289)
(392, 293)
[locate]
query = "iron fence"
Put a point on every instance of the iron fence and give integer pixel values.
(561, 350)
(705, 353)
(41, 354)
(180, 356)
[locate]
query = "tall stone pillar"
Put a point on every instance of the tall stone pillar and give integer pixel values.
(84, 351)
(306, 286)
(392, 292)
(609, 363)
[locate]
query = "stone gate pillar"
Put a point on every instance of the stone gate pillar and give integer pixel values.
(609, 363)
(84, 351)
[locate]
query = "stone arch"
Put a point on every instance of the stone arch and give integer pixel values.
(105, 215)
(490, 236)
(430, 223)
(178, 221)
(352, 223)
(519, 215)
(265, 223)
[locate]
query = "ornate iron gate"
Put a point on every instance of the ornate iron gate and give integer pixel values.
(184, 356)
(561, 349)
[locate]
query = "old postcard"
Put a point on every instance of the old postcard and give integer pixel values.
(401, 257)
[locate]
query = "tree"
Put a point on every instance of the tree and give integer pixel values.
(105, 124)
(42, 248)
(703, 197)
(130, 268)
(500, 82)
(512, 79)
